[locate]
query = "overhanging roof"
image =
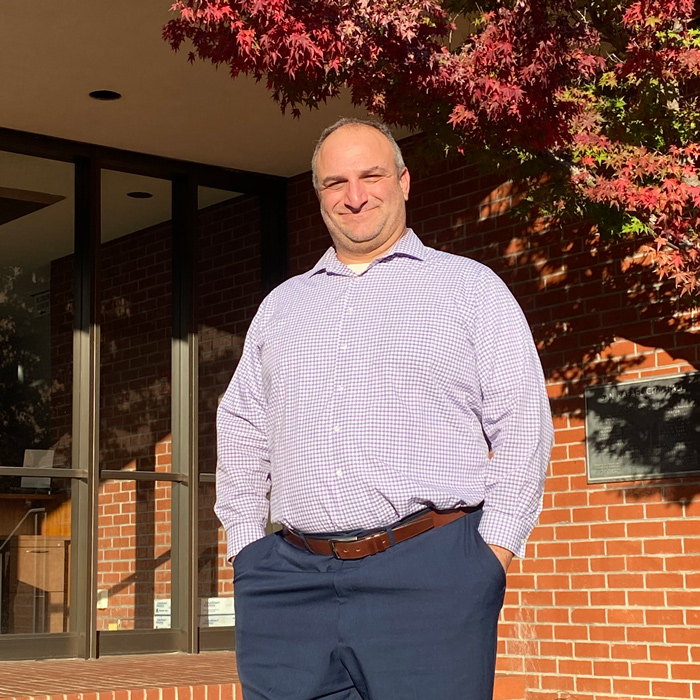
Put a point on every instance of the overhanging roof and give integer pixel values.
(53, 54)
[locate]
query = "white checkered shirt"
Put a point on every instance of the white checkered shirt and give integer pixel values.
(360, 399)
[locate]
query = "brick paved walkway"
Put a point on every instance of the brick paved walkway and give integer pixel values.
(207, 676)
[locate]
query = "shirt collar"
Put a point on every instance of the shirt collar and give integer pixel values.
(409, 245)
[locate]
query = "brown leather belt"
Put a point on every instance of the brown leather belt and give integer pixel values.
(363, 546)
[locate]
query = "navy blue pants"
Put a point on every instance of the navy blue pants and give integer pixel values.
(416, 622)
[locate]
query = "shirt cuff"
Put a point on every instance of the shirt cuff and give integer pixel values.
(241, 535)
(505, 531)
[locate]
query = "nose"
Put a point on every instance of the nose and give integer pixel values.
(355, 195)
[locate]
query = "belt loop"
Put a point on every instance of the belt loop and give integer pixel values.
(306, 544)
(390, 533)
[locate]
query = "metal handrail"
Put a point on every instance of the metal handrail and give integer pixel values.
(19, 524)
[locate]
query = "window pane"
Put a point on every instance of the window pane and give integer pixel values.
(36, 310)
(228, 292)
(215, 573)
(36, 376)
(135, 292)
(35, 559)
(134, 551)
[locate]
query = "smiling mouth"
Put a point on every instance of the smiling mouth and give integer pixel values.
(358, 213)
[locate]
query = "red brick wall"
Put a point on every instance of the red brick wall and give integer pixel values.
(607, 602)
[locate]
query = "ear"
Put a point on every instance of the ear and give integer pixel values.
(405, 182)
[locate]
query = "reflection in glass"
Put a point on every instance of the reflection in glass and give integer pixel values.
(36, 310)
(36, 358)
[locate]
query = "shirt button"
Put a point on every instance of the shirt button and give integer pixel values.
(341, 388)
(339, 472)
(350, 312)
(344, 346)
(336, 428)
(356, 279)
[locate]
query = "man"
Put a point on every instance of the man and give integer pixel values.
(391, 402)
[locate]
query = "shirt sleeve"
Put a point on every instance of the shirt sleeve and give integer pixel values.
(243, 464)
(516, 417)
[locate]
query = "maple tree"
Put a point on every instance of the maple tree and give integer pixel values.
(601, 95)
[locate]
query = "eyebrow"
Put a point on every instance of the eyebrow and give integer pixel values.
(374, 170)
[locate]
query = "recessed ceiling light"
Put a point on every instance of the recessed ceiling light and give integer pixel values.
(105, 95)
(139, 195)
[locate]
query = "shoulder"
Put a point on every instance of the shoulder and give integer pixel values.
(442, 259)
(466, 274)
(475, 291)
(284, 294)
(288, 288)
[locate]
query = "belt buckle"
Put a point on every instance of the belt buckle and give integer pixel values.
(331, 543)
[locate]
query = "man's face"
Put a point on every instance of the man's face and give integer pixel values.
(363, 198)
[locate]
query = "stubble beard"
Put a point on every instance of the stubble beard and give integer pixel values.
(361, 240)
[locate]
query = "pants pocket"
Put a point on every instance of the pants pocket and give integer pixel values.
(250, 555)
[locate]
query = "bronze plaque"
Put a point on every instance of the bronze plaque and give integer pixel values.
(645, 429)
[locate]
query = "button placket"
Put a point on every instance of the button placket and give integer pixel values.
(340, 379)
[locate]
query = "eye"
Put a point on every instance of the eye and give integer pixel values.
(372, 178)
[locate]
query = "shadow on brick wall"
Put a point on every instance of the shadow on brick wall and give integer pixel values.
(599, 313)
